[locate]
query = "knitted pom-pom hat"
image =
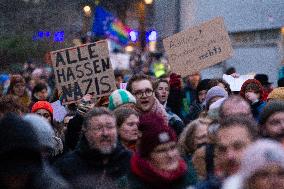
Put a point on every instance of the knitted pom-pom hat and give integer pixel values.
(120, 97)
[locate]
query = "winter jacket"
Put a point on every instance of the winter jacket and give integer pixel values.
(73, 131)
(103, 170)
(175, 122)
(194, 110)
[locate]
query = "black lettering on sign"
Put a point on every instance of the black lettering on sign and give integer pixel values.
(80, 73)
(92, 51)
(70, 74)
(210, 52)
(96, 66)
(87, 66)
(59, 59)
(67, 91)
(105, 64)
(80, 55)
(104, 82)
(61, 74)
(77, 91)
(97, 86)
(89, 81)
(69, 61)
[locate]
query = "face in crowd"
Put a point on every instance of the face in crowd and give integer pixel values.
(129, 129)
(19, 89)
(101, 133)
(231, 143)
(202, 95)
(274, 126)
(44, 113)
(165, 156)
(162, 92)
(143, 92)
(42, 95)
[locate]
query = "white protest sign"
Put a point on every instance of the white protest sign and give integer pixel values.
(199, 47)
(123, 86)
(236, 83)
(83, 70)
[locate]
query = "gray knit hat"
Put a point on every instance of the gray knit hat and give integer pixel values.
(214, 92)
(271, 108)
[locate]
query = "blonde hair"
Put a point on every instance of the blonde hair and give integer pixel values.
(186, 140)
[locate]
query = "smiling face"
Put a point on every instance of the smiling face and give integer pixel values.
(19, 89)
(143, 92)
(101, 133)
(162, 92)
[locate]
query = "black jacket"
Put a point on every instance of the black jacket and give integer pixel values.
(102, 170)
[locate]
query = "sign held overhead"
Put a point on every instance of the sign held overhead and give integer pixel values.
(83, 70)
(198, 47)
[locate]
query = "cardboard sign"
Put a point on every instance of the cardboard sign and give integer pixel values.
(236, 83)
(83, 70)
(199, 47)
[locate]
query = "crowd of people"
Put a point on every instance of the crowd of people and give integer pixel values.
(162, 131)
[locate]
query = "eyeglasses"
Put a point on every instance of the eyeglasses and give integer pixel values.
(147, 92)
(46, 115)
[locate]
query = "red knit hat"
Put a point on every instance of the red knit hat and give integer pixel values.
(154, 133)
(42, 105)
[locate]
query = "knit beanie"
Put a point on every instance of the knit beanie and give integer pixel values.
(42, 105)
(260, 154)
(154, 133)
(216, 91)
(271, 108)
(43, 130)
(252, 84)
(120, 97)
(277, 93)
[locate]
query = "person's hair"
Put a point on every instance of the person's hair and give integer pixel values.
(241, 121)
(233, 99)
(158, 81)
(230, 71)
(122, 114)
(13, 81)
(98, 111)
(137, 77)
(252, 87)
(216, 81)
(39, 87)
(280, 82)
(10, 103)
(186, 140)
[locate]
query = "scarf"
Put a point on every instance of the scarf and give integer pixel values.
(157, 110)
(154, 176)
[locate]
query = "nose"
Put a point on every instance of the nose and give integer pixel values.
(230, 154)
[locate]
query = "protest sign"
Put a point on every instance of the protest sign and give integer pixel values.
(199, 47)
(83, 70)
(236, 83)
(123, 86)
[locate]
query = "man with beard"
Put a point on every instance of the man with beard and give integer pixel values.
(233, 136)
(272, 121)
(98, 156)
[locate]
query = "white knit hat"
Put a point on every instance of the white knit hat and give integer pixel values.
(260, 154)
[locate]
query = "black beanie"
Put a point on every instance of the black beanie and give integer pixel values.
(271, 108)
